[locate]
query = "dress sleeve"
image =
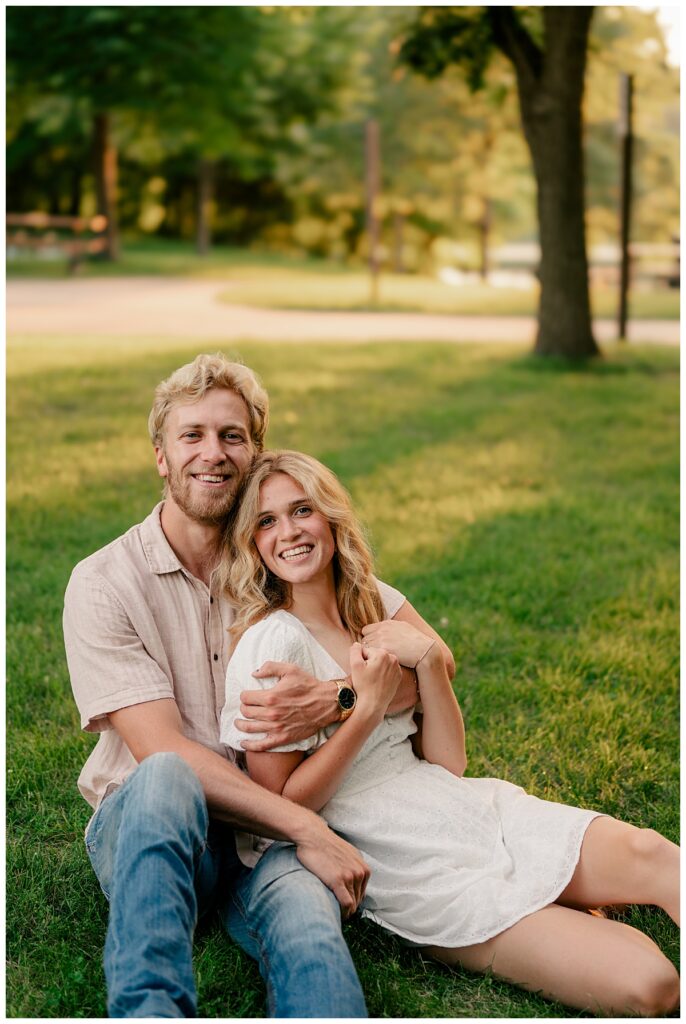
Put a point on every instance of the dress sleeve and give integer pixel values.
(269, 640)
(392, 599)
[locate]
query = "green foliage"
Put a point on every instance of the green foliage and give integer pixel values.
(528, 511)
(277, 97)
(444, 36)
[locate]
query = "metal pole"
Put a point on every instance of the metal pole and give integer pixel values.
(627, 144)
(372, 176)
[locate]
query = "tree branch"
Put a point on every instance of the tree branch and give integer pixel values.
(512, 38)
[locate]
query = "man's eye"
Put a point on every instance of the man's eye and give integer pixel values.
(191, 435)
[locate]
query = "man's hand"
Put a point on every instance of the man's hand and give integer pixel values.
(338, 865)
(292, 710)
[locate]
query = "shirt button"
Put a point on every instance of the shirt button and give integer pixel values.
(216, 657)
(211, 600)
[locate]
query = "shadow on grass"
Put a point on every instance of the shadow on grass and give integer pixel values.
(526, 596)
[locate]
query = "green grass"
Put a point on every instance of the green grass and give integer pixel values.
(287, 282)
(529, 510)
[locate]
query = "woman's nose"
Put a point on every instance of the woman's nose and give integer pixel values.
(288, 528)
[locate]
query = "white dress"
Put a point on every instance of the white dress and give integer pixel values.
(454, 861)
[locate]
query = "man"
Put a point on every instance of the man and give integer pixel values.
(147, 647)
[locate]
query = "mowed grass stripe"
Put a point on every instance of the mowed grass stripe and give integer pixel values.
(528, 511)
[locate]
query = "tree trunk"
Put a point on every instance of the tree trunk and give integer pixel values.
(550, 85)
(485, 221)
(398, 225)
(484, 238)
(75, 193)
(205, 199)
(106, 181)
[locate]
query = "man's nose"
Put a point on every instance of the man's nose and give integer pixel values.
(212, 449)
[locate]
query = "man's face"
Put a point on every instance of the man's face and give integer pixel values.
(206, 450)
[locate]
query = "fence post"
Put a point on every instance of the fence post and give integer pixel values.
(627, 143)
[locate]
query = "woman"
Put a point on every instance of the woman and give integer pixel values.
(474, 871)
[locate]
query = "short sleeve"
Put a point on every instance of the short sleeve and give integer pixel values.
(272, 639)
(392, 599)
(109, 666)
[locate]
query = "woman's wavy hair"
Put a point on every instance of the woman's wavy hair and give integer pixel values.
(254, 589)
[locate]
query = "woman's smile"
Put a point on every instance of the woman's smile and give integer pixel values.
(298, 553)
(294, 540)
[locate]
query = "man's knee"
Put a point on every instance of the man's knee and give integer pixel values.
(294, 902)
(165, 789)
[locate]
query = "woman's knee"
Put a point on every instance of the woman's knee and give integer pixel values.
(646, 845)
(652, 990)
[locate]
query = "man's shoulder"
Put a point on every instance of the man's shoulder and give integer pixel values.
(128, 556)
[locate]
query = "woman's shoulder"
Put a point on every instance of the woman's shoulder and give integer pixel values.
(278, 636)
(279, 621)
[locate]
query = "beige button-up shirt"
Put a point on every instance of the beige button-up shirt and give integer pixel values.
(138, 627)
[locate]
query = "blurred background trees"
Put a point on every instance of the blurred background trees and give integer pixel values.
(246, 126)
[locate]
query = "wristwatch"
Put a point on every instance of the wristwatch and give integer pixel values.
(347, 698)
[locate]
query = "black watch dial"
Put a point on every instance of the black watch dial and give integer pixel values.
(346, 698)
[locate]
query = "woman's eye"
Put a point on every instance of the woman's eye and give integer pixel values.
(236, 438)
(263, 523)
(303, 510)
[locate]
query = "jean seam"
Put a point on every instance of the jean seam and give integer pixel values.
(257, 939)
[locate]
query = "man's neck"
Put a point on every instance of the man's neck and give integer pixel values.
(196, 545)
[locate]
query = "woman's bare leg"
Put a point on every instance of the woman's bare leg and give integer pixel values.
(586, 962)
(623, 864)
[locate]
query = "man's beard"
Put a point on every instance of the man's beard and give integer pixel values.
(209, 509)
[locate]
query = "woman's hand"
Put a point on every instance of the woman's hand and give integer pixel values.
(375, 675)
(400, 638)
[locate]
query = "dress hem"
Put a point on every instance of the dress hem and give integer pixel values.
(489, 933)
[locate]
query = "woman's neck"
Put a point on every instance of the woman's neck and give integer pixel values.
(314, 602)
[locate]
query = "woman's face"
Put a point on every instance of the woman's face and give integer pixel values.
(294, 541)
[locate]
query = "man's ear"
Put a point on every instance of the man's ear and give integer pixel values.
(161, 461)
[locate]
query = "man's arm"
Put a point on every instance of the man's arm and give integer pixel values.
(299, 705)
(106, 655)
(155, 726)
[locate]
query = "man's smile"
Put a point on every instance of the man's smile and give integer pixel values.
(211, 478)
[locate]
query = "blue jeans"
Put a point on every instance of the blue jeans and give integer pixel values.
(162, 863)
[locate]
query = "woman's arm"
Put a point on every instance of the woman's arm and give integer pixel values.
(407, 613)
(442, 739)
(312, 781)
(442, 733)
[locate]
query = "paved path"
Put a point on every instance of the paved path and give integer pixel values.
(190, 310)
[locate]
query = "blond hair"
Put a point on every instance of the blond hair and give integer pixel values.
(254, 590)
(191, 382)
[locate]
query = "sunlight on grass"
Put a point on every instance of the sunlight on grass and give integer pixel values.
(527, 509)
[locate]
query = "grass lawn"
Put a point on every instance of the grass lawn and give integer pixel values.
(529, 511)
(285, 282)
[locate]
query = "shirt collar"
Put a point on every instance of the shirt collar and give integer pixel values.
(157, 549)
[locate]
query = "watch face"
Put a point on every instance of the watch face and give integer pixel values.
(346, 698)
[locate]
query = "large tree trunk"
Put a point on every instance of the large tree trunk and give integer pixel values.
(550, 85)
(105, 153)
(205, 199)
